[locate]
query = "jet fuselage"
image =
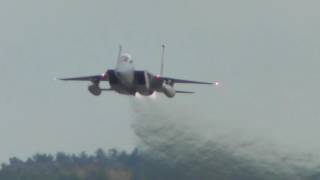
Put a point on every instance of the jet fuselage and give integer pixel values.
(124, 79)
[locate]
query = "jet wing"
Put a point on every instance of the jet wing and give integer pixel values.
(173, 80)
(87, 78)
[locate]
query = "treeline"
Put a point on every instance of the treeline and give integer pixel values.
(122, 165)
(111, 165)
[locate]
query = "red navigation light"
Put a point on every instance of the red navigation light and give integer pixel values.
(104, 75)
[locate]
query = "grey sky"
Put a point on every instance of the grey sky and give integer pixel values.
(266, 53)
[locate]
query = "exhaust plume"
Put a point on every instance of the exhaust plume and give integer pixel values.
(177, 137)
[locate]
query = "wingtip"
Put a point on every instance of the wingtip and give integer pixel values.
(216, 83)
(59, 79)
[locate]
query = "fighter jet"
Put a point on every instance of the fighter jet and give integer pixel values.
(124, 79)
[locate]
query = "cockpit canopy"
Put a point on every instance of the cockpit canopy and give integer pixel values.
(126, 58)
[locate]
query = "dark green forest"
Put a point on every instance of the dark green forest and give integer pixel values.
(111, 165)
(119, 165)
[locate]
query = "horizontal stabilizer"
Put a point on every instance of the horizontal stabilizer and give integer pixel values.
(185, 92)
(108, 89)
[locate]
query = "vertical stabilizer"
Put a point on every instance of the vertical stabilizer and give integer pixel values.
(120, 51)
(162, 60)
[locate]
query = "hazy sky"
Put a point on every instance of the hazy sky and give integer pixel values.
(265, 53)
